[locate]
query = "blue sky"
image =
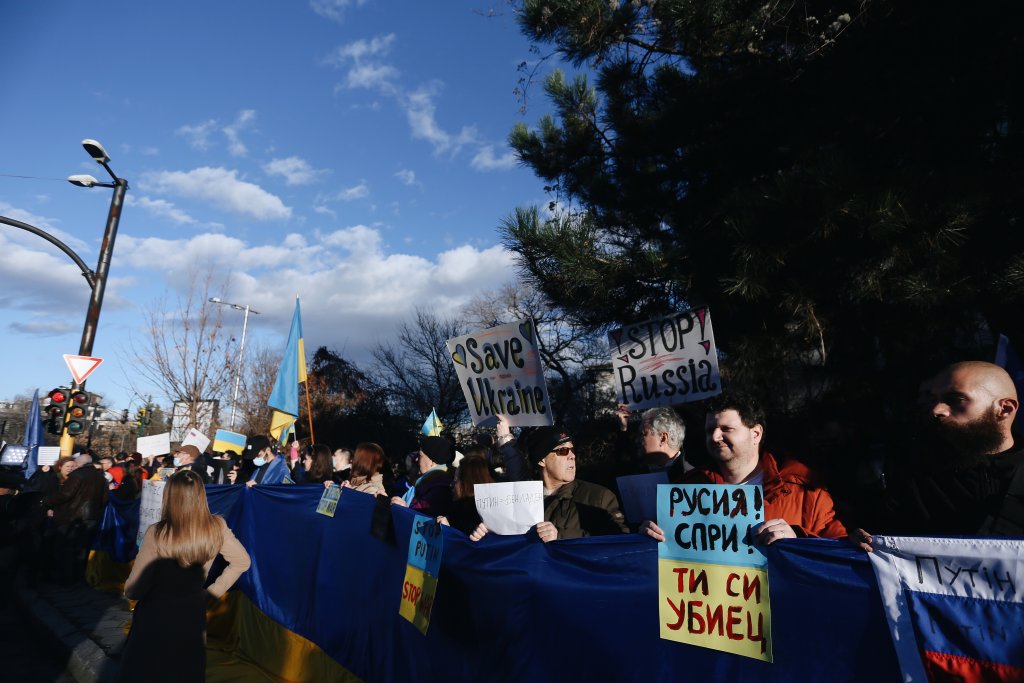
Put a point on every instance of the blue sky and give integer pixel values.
(350, 152)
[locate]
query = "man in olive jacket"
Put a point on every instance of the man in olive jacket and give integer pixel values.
(572, 508)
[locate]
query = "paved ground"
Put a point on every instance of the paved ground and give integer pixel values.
(63, 634)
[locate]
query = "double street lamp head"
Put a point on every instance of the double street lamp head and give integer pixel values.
(100, 156)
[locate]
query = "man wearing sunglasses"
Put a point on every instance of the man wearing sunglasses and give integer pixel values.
(572, 508)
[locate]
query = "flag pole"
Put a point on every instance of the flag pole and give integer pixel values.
(309, 415)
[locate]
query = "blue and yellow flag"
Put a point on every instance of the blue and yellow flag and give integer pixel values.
(432, 425)
(284, 399)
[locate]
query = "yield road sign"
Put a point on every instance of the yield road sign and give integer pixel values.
(81, 366)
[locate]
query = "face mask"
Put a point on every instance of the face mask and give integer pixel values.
(259, 462)
(177, 462)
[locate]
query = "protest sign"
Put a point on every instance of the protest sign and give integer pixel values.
(150, 508)
(666, 361)
(512, 507)
(500, 372)
(158, 444)
(329, 501)
(196, 438)
(48, 455)
(712, 579)
(420, 584)
(954, 606)
(711, 523)
(639, 494)
(224, 441)
(717, 606)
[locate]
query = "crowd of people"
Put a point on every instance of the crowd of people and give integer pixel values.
(966, 478)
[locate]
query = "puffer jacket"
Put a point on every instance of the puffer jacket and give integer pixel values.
(580, 508)
(789, 494)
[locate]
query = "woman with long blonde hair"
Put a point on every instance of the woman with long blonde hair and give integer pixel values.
(167, 579)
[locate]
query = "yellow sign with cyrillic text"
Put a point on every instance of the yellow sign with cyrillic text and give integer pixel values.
(722, 607)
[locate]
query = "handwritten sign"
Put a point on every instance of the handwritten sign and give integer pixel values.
(666, 361)
(500, 372)
(712, 579)
(420, 584)
(711, 523)
(512, 507)
(952, 594)
(329, 501)
(150, 506)
(716, 606)
(639, 494)
(157, 444)
(196, 438)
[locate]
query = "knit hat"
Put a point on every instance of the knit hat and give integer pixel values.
(544, 440)
(438, 449)
(191, 450)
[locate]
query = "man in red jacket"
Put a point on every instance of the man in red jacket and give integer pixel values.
(795, 506)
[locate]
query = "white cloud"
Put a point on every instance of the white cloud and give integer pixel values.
(244, 121)
(325, 211)
(347, 194)
(365, 70)
(407, 176)
(420, 111)
(358, 239)
(294, 170)
(333, 9)
(47, 224)
(360, 49)
(220, 187)
(162, 208)
(199, 134)
(486, 161)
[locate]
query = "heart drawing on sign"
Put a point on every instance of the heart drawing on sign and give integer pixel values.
(526, 329)
(707, 346)
(460, 355)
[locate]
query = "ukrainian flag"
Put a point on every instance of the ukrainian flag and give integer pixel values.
(284, 399)
(432, 425)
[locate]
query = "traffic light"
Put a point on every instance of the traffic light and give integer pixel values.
(124, 416)
(57, 410)
(78, 407)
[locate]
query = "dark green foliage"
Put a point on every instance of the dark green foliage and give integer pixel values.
(839, 181)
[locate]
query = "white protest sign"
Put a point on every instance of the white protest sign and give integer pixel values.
(196, 438)
(665, 361)
(500, 373)
(158, 444)
(48, 455)
(511, 507)
(150, 507)
(639, 493)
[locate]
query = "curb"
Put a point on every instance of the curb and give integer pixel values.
(87, 662)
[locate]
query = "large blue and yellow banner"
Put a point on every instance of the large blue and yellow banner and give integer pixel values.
(322, 598)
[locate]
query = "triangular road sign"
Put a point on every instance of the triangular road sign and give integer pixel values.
(81, 366)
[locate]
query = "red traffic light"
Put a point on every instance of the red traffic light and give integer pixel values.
(80, 397)
(58, 396)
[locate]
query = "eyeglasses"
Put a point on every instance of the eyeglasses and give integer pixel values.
(564, 450)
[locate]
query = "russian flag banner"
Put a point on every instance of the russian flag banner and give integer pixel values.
(955, 606)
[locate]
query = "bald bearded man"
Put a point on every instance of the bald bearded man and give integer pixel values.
(971, 482)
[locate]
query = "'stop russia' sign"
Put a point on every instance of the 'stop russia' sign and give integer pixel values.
(666, 361)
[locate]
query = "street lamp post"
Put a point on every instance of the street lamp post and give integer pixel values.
(97, 279)
(120, 186)
(241, 349)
